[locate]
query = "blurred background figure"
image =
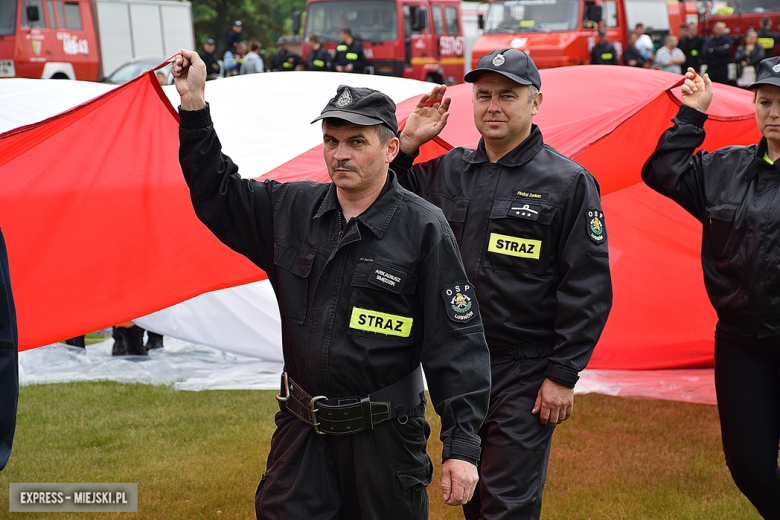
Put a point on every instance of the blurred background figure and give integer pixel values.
(669, 57)
(252, 63)
(349, 55)
(747, 57)
(766, 38)
(644, 43)
(603, 53)
(632, 57)
(717, 54)
(318, 58)
(233, 37)
(284, 59)
(212, 63)
(9, 359)
(231, 62)
(691, 44)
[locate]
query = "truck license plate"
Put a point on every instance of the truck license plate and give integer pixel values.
(7, 69)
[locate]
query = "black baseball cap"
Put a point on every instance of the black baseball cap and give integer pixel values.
(768, 73)
(361, 106)
(210, 41)
(515, 65)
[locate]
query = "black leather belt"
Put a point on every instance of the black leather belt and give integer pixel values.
(348, 415)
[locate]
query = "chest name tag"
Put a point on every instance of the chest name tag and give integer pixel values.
(381, 323)
(389, 279)
(532, 195)
(513, 246)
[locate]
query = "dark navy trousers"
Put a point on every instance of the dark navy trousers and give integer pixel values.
(9, 368)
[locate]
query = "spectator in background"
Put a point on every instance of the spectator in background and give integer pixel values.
(603, 53)
(318, 58)
(284, 59)
(644, 43)
(670, 58)
(766, 38)
(252, 63)
(233, 37)
(683, 31)
(631, 56)
(9, 359)
(231, 62)
(349, 55)
(212, 63)
(161, 79)
(716, 53)
(691, 44)
(747, 57)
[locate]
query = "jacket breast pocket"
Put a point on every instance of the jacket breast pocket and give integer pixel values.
(293, 269)
(720, 229)
(521, 236)
(455, 211)
(383, 303)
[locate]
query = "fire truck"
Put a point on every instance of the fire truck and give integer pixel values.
(418, 39)
(739, 16)
(87, 39)
(557, 33)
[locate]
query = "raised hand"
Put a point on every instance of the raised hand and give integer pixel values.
(697, 91)
(189, 75)
(426, 121)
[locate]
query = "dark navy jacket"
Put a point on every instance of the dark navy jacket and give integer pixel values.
(531, 231)
(733, 193)
(396, 261)
(9, 369)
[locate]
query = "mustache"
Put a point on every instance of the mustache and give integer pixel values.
(344, 165)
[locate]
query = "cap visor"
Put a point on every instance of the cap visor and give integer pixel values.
(775, 82)
(358, 119)
(472, 76)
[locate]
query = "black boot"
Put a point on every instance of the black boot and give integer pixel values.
(135, 341)
(120, 341)
(154, 340)
(78, 341)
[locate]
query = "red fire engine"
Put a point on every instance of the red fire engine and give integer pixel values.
(418, 39)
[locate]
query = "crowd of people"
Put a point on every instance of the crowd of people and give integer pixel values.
(244, 57)
(718, 54)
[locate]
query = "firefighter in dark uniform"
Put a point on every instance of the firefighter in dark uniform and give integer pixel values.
(732, 192)
(284, 60)
(318, 58)
(766, 38)
(211, 61)
(9, 359)
(530, 227)
(603, 53)
(349, 54)
(370, 285)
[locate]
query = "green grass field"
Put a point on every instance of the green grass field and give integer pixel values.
(201, 454)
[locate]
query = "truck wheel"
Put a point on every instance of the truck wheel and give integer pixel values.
(60, 75)
(435, 78)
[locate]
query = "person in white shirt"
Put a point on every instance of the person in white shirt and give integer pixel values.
(644, 43)
(252, 62)
(669, 57)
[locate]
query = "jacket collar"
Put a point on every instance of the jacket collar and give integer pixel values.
(379, 214)
(761, 149)
(521, 154)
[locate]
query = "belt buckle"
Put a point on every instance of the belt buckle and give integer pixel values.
(286, 388)
(314, 411)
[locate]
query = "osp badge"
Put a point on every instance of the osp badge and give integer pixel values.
(595, 222)
(345, 99)
(460, 302)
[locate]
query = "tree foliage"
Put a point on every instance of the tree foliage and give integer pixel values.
(263, 20)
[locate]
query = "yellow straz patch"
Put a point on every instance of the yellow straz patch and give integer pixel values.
(381, 323)
(513, 246)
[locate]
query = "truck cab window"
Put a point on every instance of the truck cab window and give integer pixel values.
(38, 24)
(72, 16)
(7, 17)
(453, 27)
(50, 12)
(610, 13)
(438, 20)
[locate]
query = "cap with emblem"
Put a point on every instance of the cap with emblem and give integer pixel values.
(768, 73)
(238, 23)
(281, 41)
(210, 41)
(361, 106)
(515, 65)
